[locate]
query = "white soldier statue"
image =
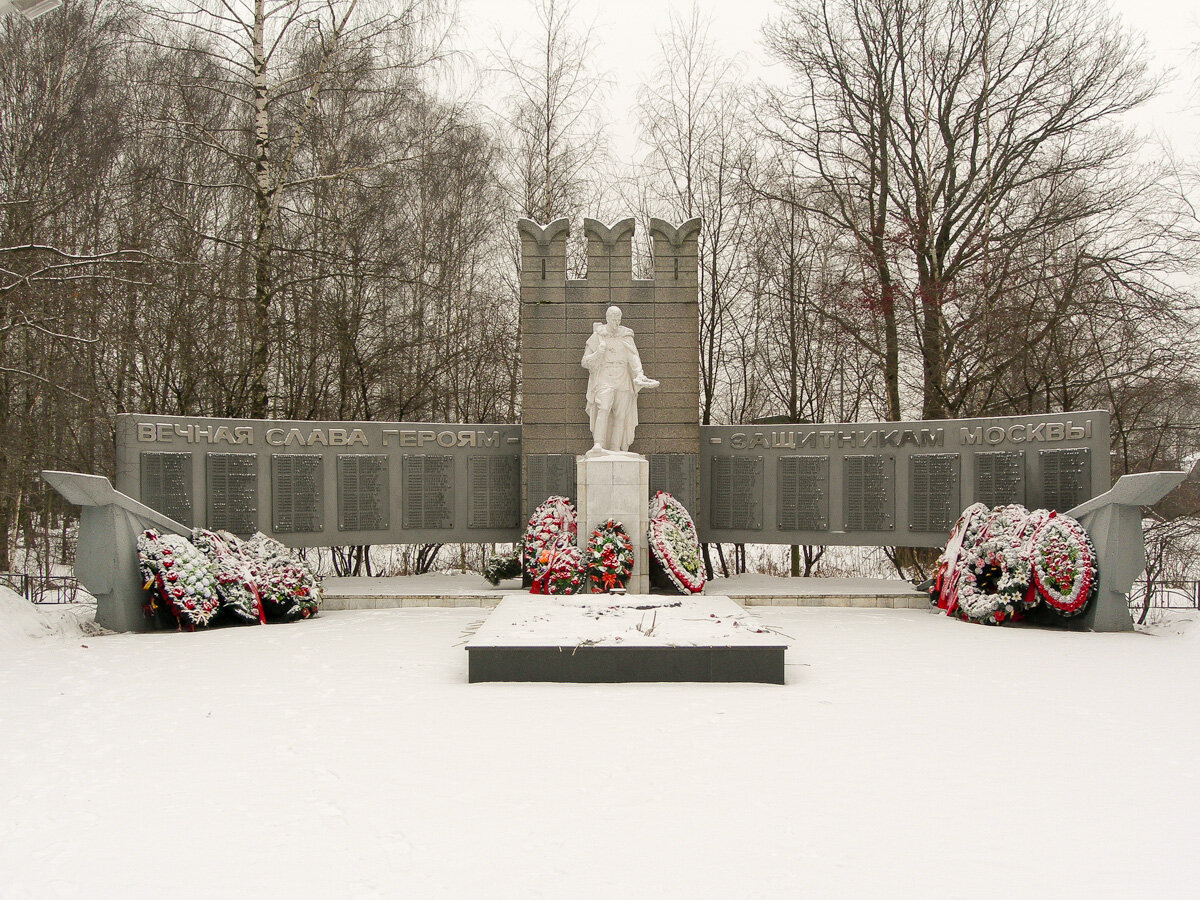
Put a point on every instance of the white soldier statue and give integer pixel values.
(615, 378)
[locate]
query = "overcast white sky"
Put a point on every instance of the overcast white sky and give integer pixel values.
(627, 47)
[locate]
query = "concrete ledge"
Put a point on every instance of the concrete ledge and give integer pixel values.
(471, 591)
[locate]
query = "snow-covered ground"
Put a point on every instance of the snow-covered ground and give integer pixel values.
(909, 755)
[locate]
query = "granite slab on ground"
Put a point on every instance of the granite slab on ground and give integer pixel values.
(636, 637)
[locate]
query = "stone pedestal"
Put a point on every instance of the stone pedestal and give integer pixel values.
(617, 486)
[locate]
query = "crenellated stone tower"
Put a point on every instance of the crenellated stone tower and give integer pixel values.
(556, 320)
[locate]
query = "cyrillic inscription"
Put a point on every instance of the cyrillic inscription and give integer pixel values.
(1066, 477)
(675, 473)
(428, 491)
(233, 492)
(297, 501)
(802, 499)
(1000, 477)
(495, 485)
(549, 475)
(933, 491)
(869, 493)
(364, 492)
(736, 496)
(166, 484)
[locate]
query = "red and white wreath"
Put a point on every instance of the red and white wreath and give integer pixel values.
(1000, 563)
(609, 557)
(675, 544)
(1063, 560)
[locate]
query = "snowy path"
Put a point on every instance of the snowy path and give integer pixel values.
(909, 755)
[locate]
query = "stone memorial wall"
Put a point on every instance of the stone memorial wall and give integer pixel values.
(326, 483)
(891, 483)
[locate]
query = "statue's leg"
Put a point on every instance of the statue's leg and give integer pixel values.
(601, 429)
(601, 434)
(621, 418)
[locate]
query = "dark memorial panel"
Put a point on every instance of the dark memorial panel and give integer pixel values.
(428, 491)
(233, 492)
(1066, 477)
(802, 498)
(933, 491)
(675, 473)
(1000, 478)
(495, 486)
(166, 484)
(870, 493)
(736, 496)
(549, 475)
(297, 504)
(364, 492)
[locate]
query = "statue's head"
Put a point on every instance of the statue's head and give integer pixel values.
(613, 316)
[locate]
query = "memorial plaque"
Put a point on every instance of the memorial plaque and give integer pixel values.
(166, 484)
(1066, 477)
(802, 493)
(364, 492)
(495, 485)
(549, 475)
(297, 504)
(428, 491)
(933, 491)
(675, 473)
(233, 492)
(869, 498)
(1000, 478)
(736, 497)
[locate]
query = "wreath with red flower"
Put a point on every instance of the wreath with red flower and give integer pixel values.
(675, 544)
(181, 580)
(238, 577)
(1063, 560)
(1001, 563)
(553, 517)
(993, 585)
(558, 568)
(286, 585)
(609, 557)
(963, 535)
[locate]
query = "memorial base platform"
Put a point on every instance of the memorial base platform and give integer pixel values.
(603, 638)
(469, 590)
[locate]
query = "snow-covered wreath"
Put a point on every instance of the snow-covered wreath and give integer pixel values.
(1063, 560)
(501, 566)
(1001, 563)
(554, 517)
(675, 544)
(287, 586)
(181, 580)
(609, 557)
(248, 582)
(558, 567)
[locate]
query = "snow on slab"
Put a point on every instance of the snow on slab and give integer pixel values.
(908, 755)
(634, 620)
(783, 586)
(435, 584)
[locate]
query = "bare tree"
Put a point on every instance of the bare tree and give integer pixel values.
(927, 123)
(555, 134)
(836, 127)
(277, 57)
(694, 129)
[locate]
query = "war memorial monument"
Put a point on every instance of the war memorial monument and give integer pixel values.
(609, 417)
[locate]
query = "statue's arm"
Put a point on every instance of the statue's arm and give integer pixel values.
(635, 360)
(591, 351)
